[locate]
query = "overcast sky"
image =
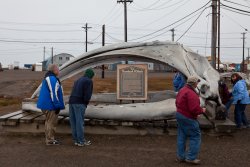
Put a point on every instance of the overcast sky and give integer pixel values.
(61, 21)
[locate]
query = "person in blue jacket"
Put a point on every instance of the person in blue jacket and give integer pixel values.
(78, 102)
(50, 101)
(179, 81)
(240, 99)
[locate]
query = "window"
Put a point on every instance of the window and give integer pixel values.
(60, 58)
(67, 58)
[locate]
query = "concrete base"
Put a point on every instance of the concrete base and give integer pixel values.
(28, 122)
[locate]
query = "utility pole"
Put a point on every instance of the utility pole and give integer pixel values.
(248, 63)
(44, 58)
(248, 56)
(173, 30)
(52, 61)
(214, 33)
(86, 40)
(218, 58)
(125, 18)
(243, 54)
(103, 44)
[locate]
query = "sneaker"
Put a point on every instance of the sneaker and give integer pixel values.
(54, 142)
(80, 144)
(75, 143)
(87, 142)
(194, 162)
(245, 126)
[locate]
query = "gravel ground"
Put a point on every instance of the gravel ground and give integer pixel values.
(127, 151)
(231, 150)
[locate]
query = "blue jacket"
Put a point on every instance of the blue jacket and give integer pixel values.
(81, 91)
(240, 93)
(179, 81)
(51, 94)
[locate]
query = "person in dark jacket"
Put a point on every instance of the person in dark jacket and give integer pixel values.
(240, 99)
(188, 108)
(78, 102)
(225, 95)
(50, 101)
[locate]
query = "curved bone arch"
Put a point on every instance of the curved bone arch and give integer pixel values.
(170, 53)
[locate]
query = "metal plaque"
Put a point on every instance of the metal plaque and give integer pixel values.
(132, 82)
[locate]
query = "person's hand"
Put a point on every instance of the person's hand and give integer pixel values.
(204, 110)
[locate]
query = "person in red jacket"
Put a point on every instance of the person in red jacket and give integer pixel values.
(188, 109)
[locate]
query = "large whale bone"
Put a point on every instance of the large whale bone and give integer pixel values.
(173, 54)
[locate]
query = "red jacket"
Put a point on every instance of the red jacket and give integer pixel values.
(188, 102)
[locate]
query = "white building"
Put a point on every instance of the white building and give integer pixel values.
(38, 67)
(58, 59)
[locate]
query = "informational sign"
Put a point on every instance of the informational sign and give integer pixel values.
(132, 81)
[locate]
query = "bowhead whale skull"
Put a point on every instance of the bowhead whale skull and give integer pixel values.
(173, 54)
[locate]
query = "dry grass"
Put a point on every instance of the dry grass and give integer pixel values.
(108, 85)
(9, 101)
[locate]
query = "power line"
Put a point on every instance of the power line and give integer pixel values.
(225, 47)
(96, 37)
(161, 7)
(149, 6)
(191, 25)
(39, 24)
(235, 21)
(236, 3)
(164, 16)
(44, 42)
(241, 10)
(235, 11)
(36, 48)
(31, 30)
(115, 18)
(111, 11)
(170, 29)
(113, 38)
(172, 23)
(195, 37)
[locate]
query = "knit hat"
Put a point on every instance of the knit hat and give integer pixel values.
(193, 79)
(89, 73)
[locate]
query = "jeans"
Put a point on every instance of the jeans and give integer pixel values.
(188, 128)
(76, 115)
(239, 115)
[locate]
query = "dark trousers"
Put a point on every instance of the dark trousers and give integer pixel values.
(239, 115)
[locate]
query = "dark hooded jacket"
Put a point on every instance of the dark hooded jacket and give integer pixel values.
(82, 89)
